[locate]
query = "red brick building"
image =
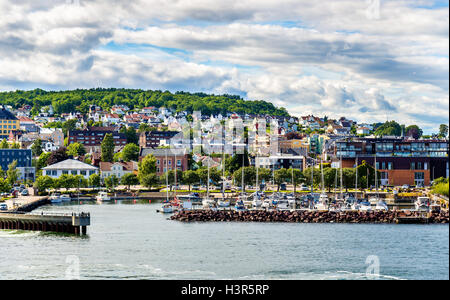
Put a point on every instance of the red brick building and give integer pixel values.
(167, 159)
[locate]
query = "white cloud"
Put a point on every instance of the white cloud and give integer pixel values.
(326, 57)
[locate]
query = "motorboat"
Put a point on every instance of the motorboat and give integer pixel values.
(223, 203)
(381, 205)
(55, 198)
(322, 204)
(65, 198)
(266, 204)
(422, 204)
(192, 197)
(239, 205)
(102, 196)
(208, 203)
(256, 202)
(167, 208)
(365, 206)
(283, 204)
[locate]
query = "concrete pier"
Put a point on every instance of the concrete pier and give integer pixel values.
(55, 222)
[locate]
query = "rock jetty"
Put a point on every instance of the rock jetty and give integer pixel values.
(304, 216)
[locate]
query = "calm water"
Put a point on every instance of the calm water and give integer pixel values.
(132, 241)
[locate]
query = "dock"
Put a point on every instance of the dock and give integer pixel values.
(73, 223)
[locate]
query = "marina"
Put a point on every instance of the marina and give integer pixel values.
(138, 245)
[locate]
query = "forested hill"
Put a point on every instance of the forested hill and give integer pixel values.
(80, 99)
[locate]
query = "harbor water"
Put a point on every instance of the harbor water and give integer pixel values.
(128, 240)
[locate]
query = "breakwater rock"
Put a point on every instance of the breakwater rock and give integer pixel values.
(302, 216)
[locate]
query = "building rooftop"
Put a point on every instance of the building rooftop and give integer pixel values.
(70, 164)
(6, 114)
(162, 152)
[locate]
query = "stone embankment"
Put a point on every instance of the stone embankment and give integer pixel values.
(305, 216)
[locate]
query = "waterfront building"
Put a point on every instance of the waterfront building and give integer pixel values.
(175, 158)
(8, 122)
(70, 166)
(280, 161)
(400, 160)
(118, 169)
(23, 158)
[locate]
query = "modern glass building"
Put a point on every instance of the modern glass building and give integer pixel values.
(23, 158)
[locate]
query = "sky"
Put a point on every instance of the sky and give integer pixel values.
(368, 60)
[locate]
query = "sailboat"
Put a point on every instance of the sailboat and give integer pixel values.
(168, 207)
(240, 200)
(322, 204)
(223, 202)
(207, 202)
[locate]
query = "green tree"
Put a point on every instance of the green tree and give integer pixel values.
(15, 145)
(43, 183)
(129, 179)
(414, 131)
(131, 134)
(13, 173)
(69, 125)
(76, 149)
(57, 156)
(249, 176)
(190, 177)
(94, 180)
(149, 180)
(4, 144)
(443, 130)
(5, 186)
(147, 171)
(111, 181)
(281, 175)
(316, 176)
(130, 152)
(107, 147)
(297, 177)
(36, 148)
(329, 178)
(389, 128)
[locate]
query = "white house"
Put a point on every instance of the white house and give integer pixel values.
(118, 169)
(70, 166)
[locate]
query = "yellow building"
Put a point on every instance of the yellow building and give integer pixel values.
(8, 123)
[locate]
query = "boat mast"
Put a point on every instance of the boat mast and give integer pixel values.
(167, 176)
(312, 177)
(175, 166)
(321, 174)
(341, 177)
(356, 180)
(242, 179)
(376, 179)
(223, 172)
(207, 186)
(256, 164)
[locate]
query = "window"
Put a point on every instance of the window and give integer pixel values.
(389, 165)
(74, 172)
(413, 166)
(178, 162)
(419, 166)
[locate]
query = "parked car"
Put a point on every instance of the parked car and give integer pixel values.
(24, 192)
(304, 188)
(3, 206)
(195, 187)
(405, 186)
